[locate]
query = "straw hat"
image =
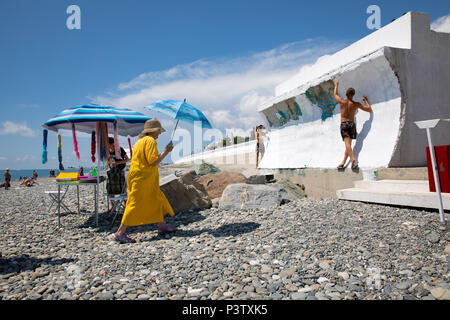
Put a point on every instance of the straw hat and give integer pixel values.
(152, 125)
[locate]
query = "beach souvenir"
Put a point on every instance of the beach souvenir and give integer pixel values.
(61, 167)
(97, 130)
(116, 142)
(75, 142)
(93, 146)
(131, 149)
(44, 151)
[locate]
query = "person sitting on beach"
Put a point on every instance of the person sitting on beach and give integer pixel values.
(7, 179)
(28, 182)
(35, 175)
(348, 126)
(146, 203)
(116, 173)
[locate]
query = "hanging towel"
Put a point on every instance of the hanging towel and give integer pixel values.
(106, 142)
(98, 132)
(93, 146)
(44, 151)
(75, 142)
(61, 167)
(131, 149)
(116, 142)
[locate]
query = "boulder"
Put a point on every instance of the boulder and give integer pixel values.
(290, 191)
(246, 196)
(185, 193)
(256, 179)
(204, 168)
(216, 183)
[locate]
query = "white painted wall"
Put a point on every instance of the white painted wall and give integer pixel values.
(315, 144)
(406, 79)
(237, 154)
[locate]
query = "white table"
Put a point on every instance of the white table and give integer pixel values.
(96, 185)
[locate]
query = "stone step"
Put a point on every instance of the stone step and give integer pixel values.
(394, 185)
(411, 199)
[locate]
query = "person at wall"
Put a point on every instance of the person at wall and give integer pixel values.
(348, 127)
(146, 203)
(7, 179)
(259, 143)
(116, 173)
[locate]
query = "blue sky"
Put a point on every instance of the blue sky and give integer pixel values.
(225, 57)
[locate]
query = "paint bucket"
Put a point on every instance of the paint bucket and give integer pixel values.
(370, 174)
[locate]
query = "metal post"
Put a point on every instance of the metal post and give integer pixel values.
(78, 198)
(59, 205)
(437, 182)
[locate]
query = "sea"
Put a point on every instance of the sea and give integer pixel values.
(21, 174)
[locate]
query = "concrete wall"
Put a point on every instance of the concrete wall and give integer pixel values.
(242, 154)
(405, 80)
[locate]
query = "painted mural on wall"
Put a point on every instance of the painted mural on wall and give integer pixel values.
(281, 113)
(322, 96)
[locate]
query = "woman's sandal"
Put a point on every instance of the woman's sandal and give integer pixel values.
(166, 229)
(123, 238)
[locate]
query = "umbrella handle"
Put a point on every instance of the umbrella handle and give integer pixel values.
(173, 132)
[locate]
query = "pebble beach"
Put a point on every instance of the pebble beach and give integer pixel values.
(302, 250)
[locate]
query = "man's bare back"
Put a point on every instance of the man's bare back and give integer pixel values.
(348, 107)
(348, 110)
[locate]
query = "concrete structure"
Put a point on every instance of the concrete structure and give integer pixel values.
(404, 71)
(413, 193)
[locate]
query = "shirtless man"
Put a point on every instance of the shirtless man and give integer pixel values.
(348, 126)
(7, 179)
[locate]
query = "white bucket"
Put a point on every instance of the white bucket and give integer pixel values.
(370, 174)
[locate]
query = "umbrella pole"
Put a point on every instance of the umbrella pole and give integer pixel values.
(173, 132)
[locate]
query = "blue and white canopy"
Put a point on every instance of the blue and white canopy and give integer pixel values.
(129, 122)
(180, 110)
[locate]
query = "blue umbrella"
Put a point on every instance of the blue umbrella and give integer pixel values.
(180, 110)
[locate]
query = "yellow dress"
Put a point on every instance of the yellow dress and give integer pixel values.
(146, 202)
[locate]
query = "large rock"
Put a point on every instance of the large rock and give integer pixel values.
(246, 196)
(256, 179)
(289, 190)
(204, 168)
(185, 193)
(216, 183)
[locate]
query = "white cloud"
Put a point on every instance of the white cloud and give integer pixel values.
(441, 24)
(2, 158)
(227, 90)
(9, 127)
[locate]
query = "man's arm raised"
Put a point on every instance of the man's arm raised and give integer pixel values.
(336, 95)
(367, 107)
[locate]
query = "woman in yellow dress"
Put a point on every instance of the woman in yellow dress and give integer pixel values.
(146, 202)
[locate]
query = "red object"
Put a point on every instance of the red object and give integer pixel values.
(131, 149)
(93, 146)
(442, 154)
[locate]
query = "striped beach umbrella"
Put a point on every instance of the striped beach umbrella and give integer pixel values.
(129, 122)
(97, 121)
